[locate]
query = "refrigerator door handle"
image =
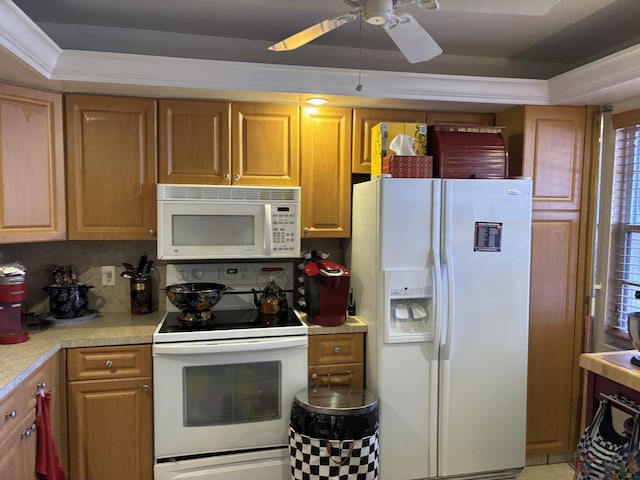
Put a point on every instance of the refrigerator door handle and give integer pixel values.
(447, 263)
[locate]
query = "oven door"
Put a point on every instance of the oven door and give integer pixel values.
(220, 396)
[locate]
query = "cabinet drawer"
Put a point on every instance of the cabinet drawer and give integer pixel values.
(108, 362)
(338, 348)
(13, 408)
(18, 450)
(342, 374)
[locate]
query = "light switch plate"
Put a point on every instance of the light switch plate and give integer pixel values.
(108, 275)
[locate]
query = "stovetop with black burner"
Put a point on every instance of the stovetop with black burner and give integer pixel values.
(227, 324)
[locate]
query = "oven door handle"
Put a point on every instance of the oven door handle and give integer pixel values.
(245, 345)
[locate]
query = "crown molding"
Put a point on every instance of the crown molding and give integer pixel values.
(611, 79)
(24, 39)
(102, 67)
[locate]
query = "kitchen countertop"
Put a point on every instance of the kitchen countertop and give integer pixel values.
(18, 361)
(352, 325)
(615, 366)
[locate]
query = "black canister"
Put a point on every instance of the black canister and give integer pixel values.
(141, 295)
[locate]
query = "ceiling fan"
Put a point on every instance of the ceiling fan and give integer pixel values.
(411, 39)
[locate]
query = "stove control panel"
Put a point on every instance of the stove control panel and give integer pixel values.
(241, 277)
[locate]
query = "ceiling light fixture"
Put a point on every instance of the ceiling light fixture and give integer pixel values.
(317, 101)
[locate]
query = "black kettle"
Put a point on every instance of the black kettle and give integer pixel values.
(272, 300)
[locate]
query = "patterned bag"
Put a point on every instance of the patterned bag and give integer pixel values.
(319, 459)
(602, 452)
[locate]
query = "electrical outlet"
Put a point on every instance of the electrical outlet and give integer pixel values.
(108, 274)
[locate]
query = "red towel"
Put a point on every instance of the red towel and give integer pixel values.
(47, 462)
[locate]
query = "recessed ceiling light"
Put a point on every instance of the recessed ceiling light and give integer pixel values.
(317, 101)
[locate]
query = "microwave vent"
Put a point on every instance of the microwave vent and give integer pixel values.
(205, 193)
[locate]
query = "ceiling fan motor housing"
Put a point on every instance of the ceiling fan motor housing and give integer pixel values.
(377, 12)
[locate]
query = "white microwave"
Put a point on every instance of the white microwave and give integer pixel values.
(223, 221)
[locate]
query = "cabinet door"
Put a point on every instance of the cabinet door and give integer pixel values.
(194, 142)
(18, 451)
(111, 162)
(553, 155)
(265, 145)
(326, 179)
(547, 144)
(363, 120)
(110, 429)
(550, 406)
(32, 203)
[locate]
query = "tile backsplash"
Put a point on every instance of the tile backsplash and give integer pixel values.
(88, 256)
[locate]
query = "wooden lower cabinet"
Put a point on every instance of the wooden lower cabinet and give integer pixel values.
(110, 413)
(18, 451)
(551, 406)
(336, 359)
(18, 435)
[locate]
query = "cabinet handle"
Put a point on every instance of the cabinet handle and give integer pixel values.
(336, 350)
(152, 232)
(11, 415)
(42, 386)
(108, 364)
(29, 431)
(225, 176)
(236, 177)
(145, 388)
(334, 378)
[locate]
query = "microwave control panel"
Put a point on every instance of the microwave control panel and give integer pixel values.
(285, 236)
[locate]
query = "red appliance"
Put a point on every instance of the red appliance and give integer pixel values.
(13, 290)
(326, 286)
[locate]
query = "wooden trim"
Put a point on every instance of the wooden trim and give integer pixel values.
(626, 119)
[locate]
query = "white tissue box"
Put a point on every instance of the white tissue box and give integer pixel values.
(408, 166)
(383, 133)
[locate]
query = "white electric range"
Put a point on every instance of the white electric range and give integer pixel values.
(223, 391)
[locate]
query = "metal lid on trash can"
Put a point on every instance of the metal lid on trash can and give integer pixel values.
(337, 400)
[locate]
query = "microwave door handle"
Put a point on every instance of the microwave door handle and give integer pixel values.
(267, 229)
(245, 346)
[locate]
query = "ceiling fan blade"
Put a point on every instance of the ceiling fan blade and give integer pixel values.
(412, 40)
(505, 7)
(309, 34)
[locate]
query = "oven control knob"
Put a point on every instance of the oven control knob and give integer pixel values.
(197, 273)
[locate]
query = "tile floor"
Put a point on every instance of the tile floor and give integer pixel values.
(555, 471)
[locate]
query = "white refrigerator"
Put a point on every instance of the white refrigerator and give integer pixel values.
(440, 271)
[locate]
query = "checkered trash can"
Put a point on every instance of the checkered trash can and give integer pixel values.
(334, 434)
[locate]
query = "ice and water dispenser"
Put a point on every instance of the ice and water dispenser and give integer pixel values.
(409, 305)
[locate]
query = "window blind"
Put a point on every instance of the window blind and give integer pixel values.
(624, 281)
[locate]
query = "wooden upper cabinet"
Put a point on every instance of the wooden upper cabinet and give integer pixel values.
(194, 142)
(31, 160)
(111, 167)
(463, 118)
(326, 178)
(363, 120)
(265, 144)
(547, 144)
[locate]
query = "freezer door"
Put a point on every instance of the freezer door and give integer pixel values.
(486, 242)
(406, 376)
